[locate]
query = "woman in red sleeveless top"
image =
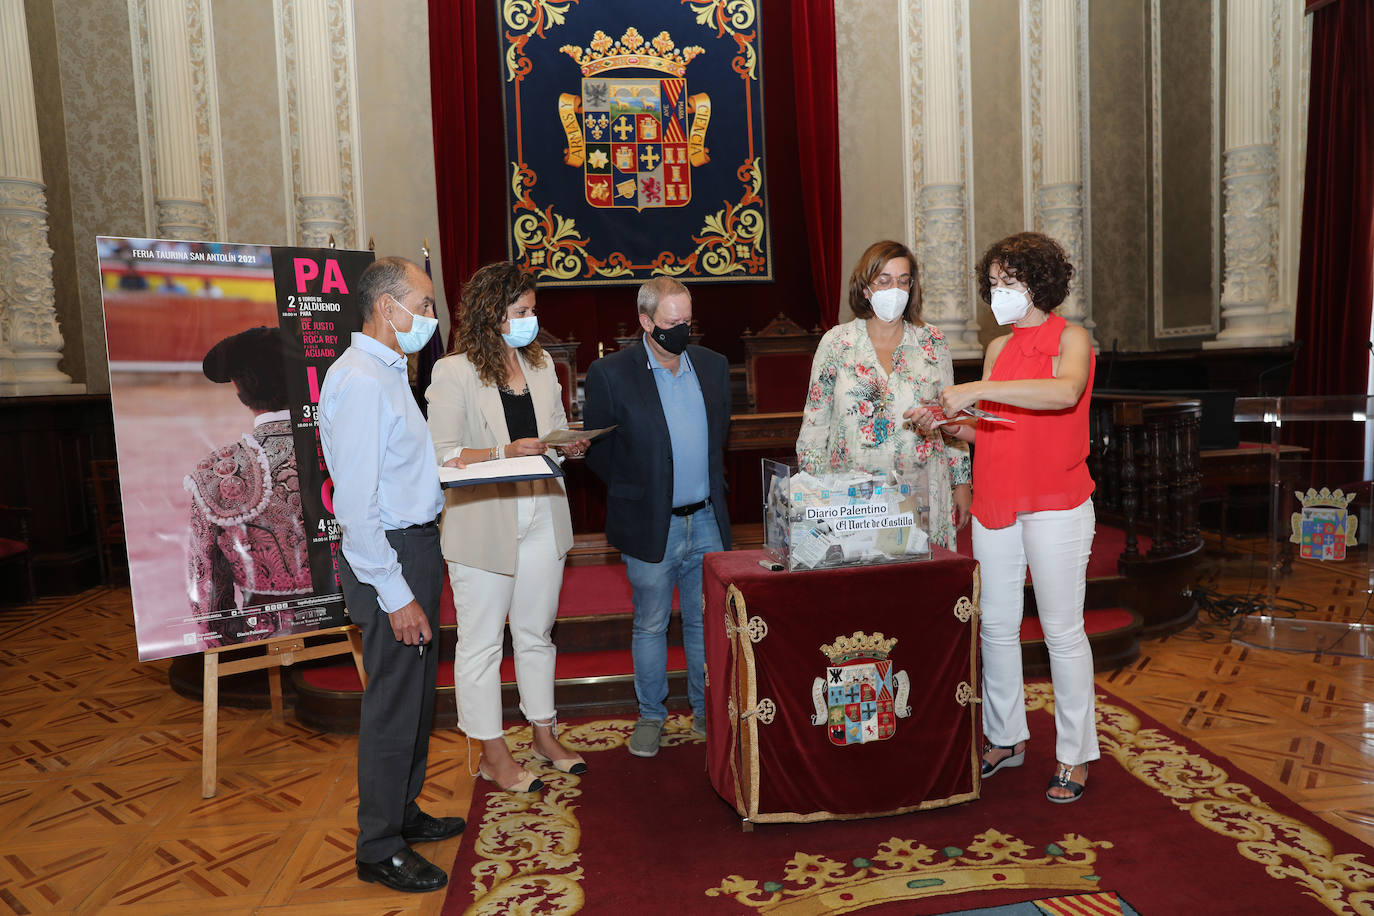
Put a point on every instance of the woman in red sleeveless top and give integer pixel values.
(1032, 501)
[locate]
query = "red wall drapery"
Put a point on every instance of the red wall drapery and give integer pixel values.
(1336, 265)
(801, 172)
(813, 58)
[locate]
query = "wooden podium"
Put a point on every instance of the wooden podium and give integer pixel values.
(277, 654)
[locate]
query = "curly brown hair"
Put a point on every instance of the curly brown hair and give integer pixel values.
(492, 289)
(1036, 260)
(866, 271)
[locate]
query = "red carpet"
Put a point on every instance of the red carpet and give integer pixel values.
(1163, 829)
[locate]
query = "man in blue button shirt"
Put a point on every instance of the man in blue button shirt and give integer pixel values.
(665, 502)
(386, 499)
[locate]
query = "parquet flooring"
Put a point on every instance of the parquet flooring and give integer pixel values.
(100, 806)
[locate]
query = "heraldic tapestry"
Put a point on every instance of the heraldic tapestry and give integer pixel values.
(634, 140)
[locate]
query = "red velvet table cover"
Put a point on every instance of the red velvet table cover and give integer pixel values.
(764, 636)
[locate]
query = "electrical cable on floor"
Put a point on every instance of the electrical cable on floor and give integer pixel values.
(1220, 613)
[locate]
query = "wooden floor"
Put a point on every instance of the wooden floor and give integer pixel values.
(100, 805)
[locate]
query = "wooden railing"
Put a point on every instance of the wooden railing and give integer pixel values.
(1144, 459)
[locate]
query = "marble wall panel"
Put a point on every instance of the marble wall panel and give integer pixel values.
(250, 123)
(96, 64)
(998, 210)
(397, 134)
(1186, 169)
(52, 140)
(1118, 58)
(872, 150)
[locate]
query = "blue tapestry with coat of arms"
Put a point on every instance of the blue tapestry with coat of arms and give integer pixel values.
(634, 140)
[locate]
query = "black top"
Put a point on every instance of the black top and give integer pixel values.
(519, 408)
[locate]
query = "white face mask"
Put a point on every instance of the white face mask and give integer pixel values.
(888, 304)
(1009, 305)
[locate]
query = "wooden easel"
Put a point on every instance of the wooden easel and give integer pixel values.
(279, 652)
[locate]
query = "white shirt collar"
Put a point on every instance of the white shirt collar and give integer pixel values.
(271, 417)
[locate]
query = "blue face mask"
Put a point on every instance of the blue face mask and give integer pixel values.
(421, 330)
(522, 331)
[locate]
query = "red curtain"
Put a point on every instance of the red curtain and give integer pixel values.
(818, 145)
(1336, 265)
(458, 55)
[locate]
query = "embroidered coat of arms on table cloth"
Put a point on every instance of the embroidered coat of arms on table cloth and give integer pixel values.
(860, 698)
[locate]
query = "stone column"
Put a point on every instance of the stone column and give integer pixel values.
(321, 204)
(1249, 178)
(182, 211)
(30, 340)
(943, 233)
(1059, 195)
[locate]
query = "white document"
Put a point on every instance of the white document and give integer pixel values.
(526, 467)
(810, 548)
(566, 436)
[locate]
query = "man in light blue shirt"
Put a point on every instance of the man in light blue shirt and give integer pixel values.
(386, 499)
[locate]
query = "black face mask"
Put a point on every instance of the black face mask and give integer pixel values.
(673, 339)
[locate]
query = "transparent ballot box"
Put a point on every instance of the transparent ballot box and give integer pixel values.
(1319, 514)
(820, 521)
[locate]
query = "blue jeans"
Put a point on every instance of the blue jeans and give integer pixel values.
(689, 539)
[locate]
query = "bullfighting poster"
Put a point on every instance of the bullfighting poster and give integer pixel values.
(634, 140)
(217, 352)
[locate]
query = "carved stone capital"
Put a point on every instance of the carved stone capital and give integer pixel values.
(1061, 214)
(943, 248)
(30, 341)
(321, 216)
(1251, 231)
(184, 219)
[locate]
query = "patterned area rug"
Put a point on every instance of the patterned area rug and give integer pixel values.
(1163, 828)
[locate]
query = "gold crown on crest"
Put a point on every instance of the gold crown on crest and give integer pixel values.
(860, 645)
(1312, 498)
(606, 53)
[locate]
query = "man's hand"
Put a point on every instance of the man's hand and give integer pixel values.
(411, 625)
(575, 449)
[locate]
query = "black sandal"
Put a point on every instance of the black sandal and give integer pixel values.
(1013, 759)
(1061, 780)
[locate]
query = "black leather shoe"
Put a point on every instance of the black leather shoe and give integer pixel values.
(406, 871)
(427, 829)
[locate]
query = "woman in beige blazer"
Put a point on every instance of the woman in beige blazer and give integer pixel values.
(495, 396)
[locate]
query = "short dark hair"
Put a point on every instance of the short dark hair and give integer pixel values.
(383, 277)
(1036, 260)
(254, 361)
(866, 271)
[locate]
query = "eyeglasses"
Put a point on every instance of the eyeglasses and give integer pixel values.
(885, 281)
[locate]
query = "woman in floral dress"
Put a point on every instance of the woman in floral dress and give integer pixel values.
(871, 370)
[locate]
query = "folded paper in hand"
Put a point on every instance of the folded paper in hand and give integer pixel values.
(568, 436)
(502, 470)
(939, 418)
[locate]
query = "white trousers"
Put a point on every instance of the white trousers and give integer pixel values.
(484, 601)
(1056, 543)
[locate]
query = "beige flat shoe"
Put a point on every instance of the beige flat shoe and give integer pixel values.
(574, 765)
(527, 783)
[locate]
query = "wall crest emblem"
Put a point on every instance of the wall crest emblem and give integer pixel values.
(860, 698)
(1324, 528)
(636, 137)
